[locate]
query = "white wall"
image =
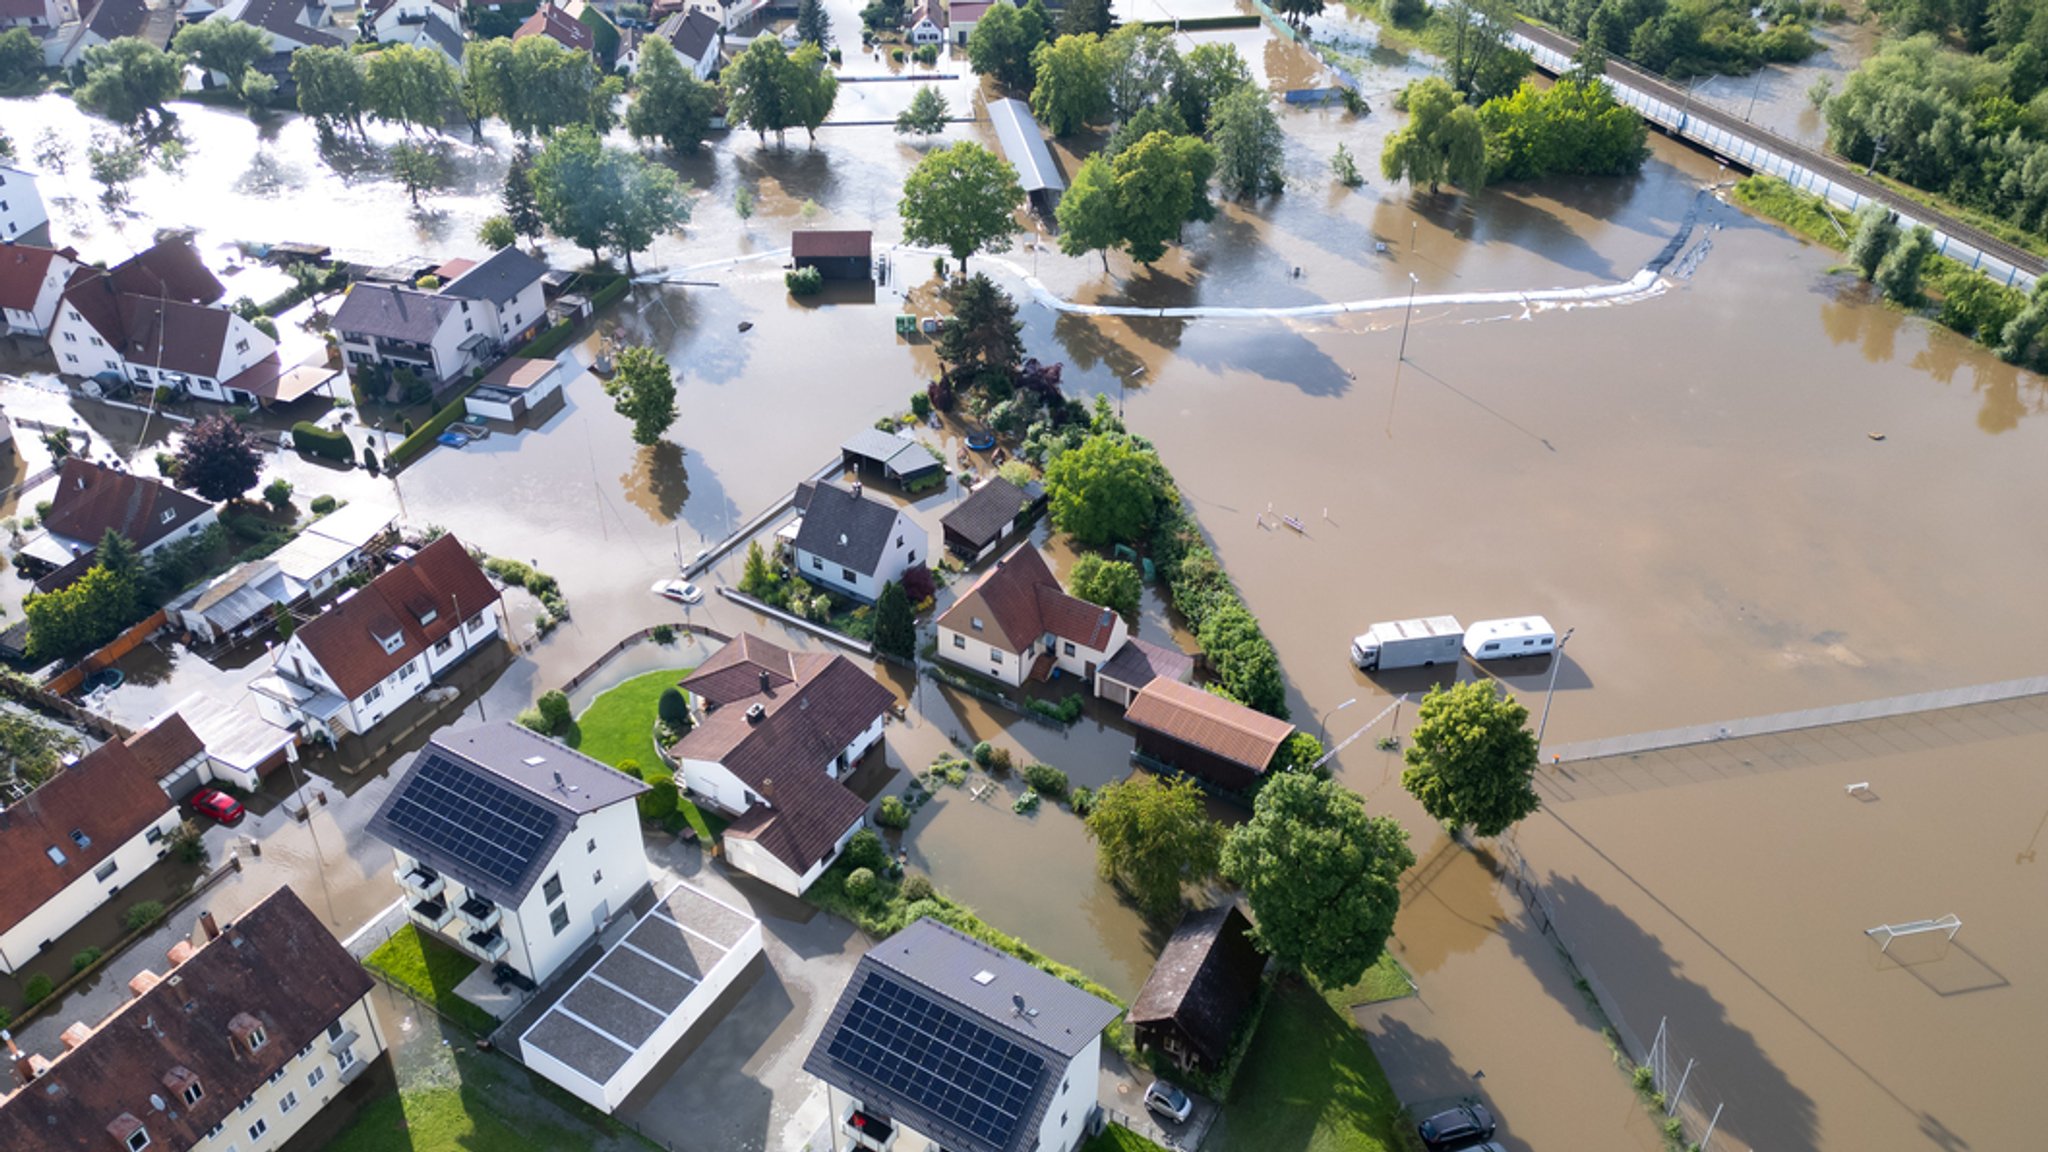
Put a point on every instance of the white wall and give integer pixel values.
(758, 862)
(1066, 1118)
(971, 651)
(603, 866)
(710, 779)
(21, 206)
(37, 319)
(906, 548)
(521, 312)
(81, 349)
(63, 911)
(382, 699)
(314, 1079)
(1076, 663)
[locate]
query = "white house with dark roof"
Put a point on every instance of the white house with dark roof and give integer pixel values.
(696, 36)
(512, 847)
(776, 733)
(22, 214)
(852, 543)
(32, 281)
(966, 1047)
(507, 286)
(1017, 621)
(431, 24)
(105, 21)
(288, 23)
(992, 513)
(928, 23)
(41, 17)
(89, 501)
(440, 337)
(152, 321)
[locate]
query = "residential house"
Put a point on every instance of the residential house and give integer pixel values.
(1017, 621)
(993, 512)
(1195, 1001)
(41, 17)
(74, 842)
(32, 281)
(91, 500)
(335, 546)
(776, 734)
(512, 847)
(431, 24)
(237, 602)
(966, 1046)
(387, 327)
(240, 747)
(928, 22)
(289, 24)
(892, 456)
(696, 35)
(515, 387)
(1137, 664)
(837, 254)
(1185, 729)
(963, 15)
(105, 21)
(508, 288)
(853, 544)
(22, 215)
(383, 644)
(152, 321)
(171, 753)
(554, 21)
(238, 1045)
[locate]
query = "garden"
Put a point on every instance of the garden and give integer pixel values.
(618, 729)
(429, 971)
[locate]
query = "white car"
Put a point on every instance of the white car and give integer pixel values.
(1169, 1102)
(680, 591)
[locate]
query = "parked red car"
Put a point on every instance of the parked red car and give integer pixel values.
(224, 809)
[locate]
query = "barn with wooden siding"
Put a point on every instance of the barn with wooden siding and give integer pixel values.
(837, 255)
(1200, 733)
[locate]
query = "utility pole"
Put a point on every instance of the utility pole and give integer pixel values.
(1753, 89)
(1323, 721)
(1556, 662)
(1413, 282)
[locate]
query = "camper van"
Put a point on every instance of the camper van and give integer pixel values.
(1394, 644)
(1506, 639)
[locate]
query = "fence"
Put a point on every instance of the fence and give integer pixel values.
(961, 684)
(69, 679)
(597, 665)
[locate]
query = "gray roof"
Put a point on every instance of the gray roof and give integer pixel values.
(981, 518)
(1024, 146)
(902, 456)
(1138, 663)
(498, 279)
(447, 36)
(845, 529)
(690, 32)
(394, 313)
(935, 964)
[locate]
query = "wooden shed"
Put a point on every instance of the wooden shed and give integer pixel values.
(837, 255)
(1199, 993)
(1202, 734)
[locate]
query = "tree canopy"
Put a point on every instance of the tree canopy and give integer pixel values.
(643, 390)
(129, 81)
(1322, 876)
(981, 339)
(418, 168)
(408, 86)
(598, 196)
(1472, 759)
(228, 47)
(1207, 74)
(926, 114)
(1250, 148)
(1003, 41)
(1114, 584)
(1152, 835)
(330, 86)
(1070, 84)
(962, 198)
(1442, 141)
(1575, 127)
(217, 460)
(669, 103)
(1109, 490)
(895, 626)
(770, 90)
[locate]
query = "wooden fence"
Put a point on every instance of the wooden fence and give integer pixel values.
(68, 680)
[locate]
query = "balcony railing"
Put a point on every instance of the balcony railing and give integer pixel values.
(867, 1130)
(491, 944)
(422, 881)
(433, 913)
(480, 912)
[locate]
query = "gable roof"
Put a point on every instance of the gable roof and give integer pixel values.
(171, 269)
(843, 528)
(825, 242)
(930, 10)
(735, 672)
(1138, 663)
(113, 19)
(558, 25)
(276, 966)
(393, 312)
(691, 33)
(1023, 601)
(1023, 145)
(22, 269)
(1206, 979)
(90, 499)
(188, 338)
(981, 518)
(968, 11)
(418, 602)
(108, 797)
(165, 745)
(445, 36)
(901, 456)
(492, 805)
(285, 18)
(1207, 721)
(928, 1032)
(499, 279)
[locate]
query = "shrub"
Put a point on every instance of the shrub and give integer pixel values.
(322, 505)
(658, 803)
(921, 404)
(861, 884)
(674, 710)
(917, 888)
(317, 441)
(278, 493)
(893, 813)
(939, 392)
(370, 458)
(928, 54)
(865, 850)
(1027, 803)
(998, 760)
(143, 915)
(189, 844)
(804, 281)
(167, 465)
(37, 989)
(86, 959)
(554, 710)
(1048, 780)
(1082, 799)
(896, 54)
(983, 753)
(662, 635)
(533, 720)
(630, 767)
(1066, 711)
(918, 584)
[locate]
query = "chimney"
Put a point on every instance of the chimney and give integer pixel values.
(180, 952)
(856, 489)
(75, 1035)
(143, 982)
(757, 713)
(766, 684)
(208, 924)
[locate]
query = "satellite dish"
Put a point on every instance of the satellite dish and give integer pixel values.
(156, 1101)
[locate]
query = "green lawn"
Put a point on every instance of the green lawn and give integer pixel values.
(431, 970)
(469, 1102)
(1310, 1084)
(1117, 1138)
(1386, 980)
(619, 726)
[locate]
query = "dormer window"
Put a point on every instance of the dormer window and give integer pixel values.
(129, 1131)
(429, 615)
(248, 1033)
(976, 622)
(57, 856)
(170, 514)
(185, 1083)
(257, 1039)
(392, 643)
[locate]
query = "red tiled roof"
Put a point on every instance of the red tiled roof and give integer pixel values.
(91, 499)
(1208, 721)
(557, 25)
(734, 672)
(814, 243)
(441, 582)
(187, 338)
(170, 269)
(109, 797)
(1022, 599)
(166, 746)
(23, 266)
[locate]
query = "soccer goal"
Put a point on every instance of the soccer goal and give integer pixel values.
(1950, 924)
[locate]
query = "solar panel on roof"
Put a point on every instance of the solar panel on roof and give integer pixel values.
(473, 821)
(961, 1072)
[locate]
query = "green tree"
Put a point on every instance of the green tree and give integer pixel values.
(814, 88)
(417, 168)
(669, 103)
(1472, 35)
(497, 232)
(1139, 64)
(1472, 758)
(1899, 275)
(982, 340)
(1153, 835)
(813, 23)
(258, 89)
(927, 114)
(114, 162)
(555, 711)
(1300, 752)
(1109, 490)
(1088, 214)
(1322, 876)
(218, 461)
(1001, 46)
(1250, 147)
(118, 556)
(408, 86)
(962, 198)
(1070, 84)
(644, 391)
(1247, 668)
(485, 82)
(756, 579)
(1161, 184)
(228, 47)
(540, 87)
(1114, 584)
(21, 57)
(652, 202)
(83, 615)
(129, 81)
(895, 626)
(1085, 18)
(594, 195)
(1876, 231)
(522, 207)
(1443, 140)
(673, 710)
(1574, 127)
(1207, 74)
(758, 90)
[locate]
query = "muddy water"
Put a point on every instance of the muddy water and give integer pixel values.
(1777, 96)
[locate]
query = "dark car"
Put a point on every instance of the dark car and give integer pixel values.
(1460, 1127)
(224, 809)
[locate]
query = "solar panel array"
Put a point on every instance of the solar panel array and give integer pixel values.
(959, 1070)
(470, 820)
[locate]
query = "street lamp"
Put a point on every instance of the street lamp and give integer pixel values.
(1135, 373)
(1556, 662)
(1753, 89)
(1414, 281)
(1323, 721)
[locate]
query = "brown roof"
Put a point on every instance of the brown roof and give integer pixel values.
(23, 266)
(818, 242)
(556, 24)
(981, 518)
(91, 499)
(1138, 663)
(1206, 979)
(169, 269)
(435, 583)
(276, 966)
(166, 746)
(188, 338)
(517, 373)
(1023, 601)
(1208, 721)
(814, 704)
(109, 797)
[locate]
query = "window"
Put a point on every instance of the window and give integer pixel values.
(170, 514)
(959, 641)
(591, 846)
(976, 622)
(71, 337)
(57, 856)
(138, 1140)
(290, 1101)
(214, 1131)
(847, 575)
(1069, 647)
(899, 541)
(597, 877)
(69, 358)
(258, 1038)
(817, 563)
(559, 918)
(154, 835)
(476, 622)
(275, 1076)
(257, 1129)
(995, 656)
(370, 697)
(241, 345)
(142, 375)
(106, 870)
(334, 1030)
(96, 342)
(446, 643)
(193, 1093)
(345, 1059)
(314, 1077)
(411, 666)
(551, 888)
(79, 838)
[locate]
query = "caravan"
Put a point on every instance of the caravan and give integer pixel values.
(1505, 639)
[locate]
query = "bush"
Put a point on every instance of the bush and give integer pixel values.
(278, 493)
(659, 802)
(167, 465)
(983, 753)
(893, 813)
(317, 441)
(921, 405)
(554, 711)
(143, 915)
(917, 888)
(865, 850)
(532, 720)
(322, 505)
(939, 392)
(189, 844)
(674, 710)
(37, 989)
(370, 458)
(1082, 800)
(896, 54)
(629, 767)
(1027, 803)
(804, 281)
(662, 635)
(1048, 780)
(998, 760)
(918, 584)
(927, 54)
(861, 884)
(1066, 711)
(86, 959)
(546, 345)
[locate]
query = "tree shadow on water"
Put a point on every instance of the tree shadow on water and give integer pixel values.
(658, 483)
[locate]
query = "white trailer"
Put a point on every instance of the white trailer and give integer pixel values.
(1408, 643)
(1507, 639)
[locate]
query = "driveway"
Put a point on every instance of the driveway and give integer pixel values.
(1123, 1101)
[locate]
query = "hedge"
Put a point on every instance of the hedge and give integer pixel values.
(549, 343)
(317, 441)
(606, 295)
(423, 437)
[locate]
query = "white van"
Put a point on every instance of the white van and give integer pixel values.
(1506, 639)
